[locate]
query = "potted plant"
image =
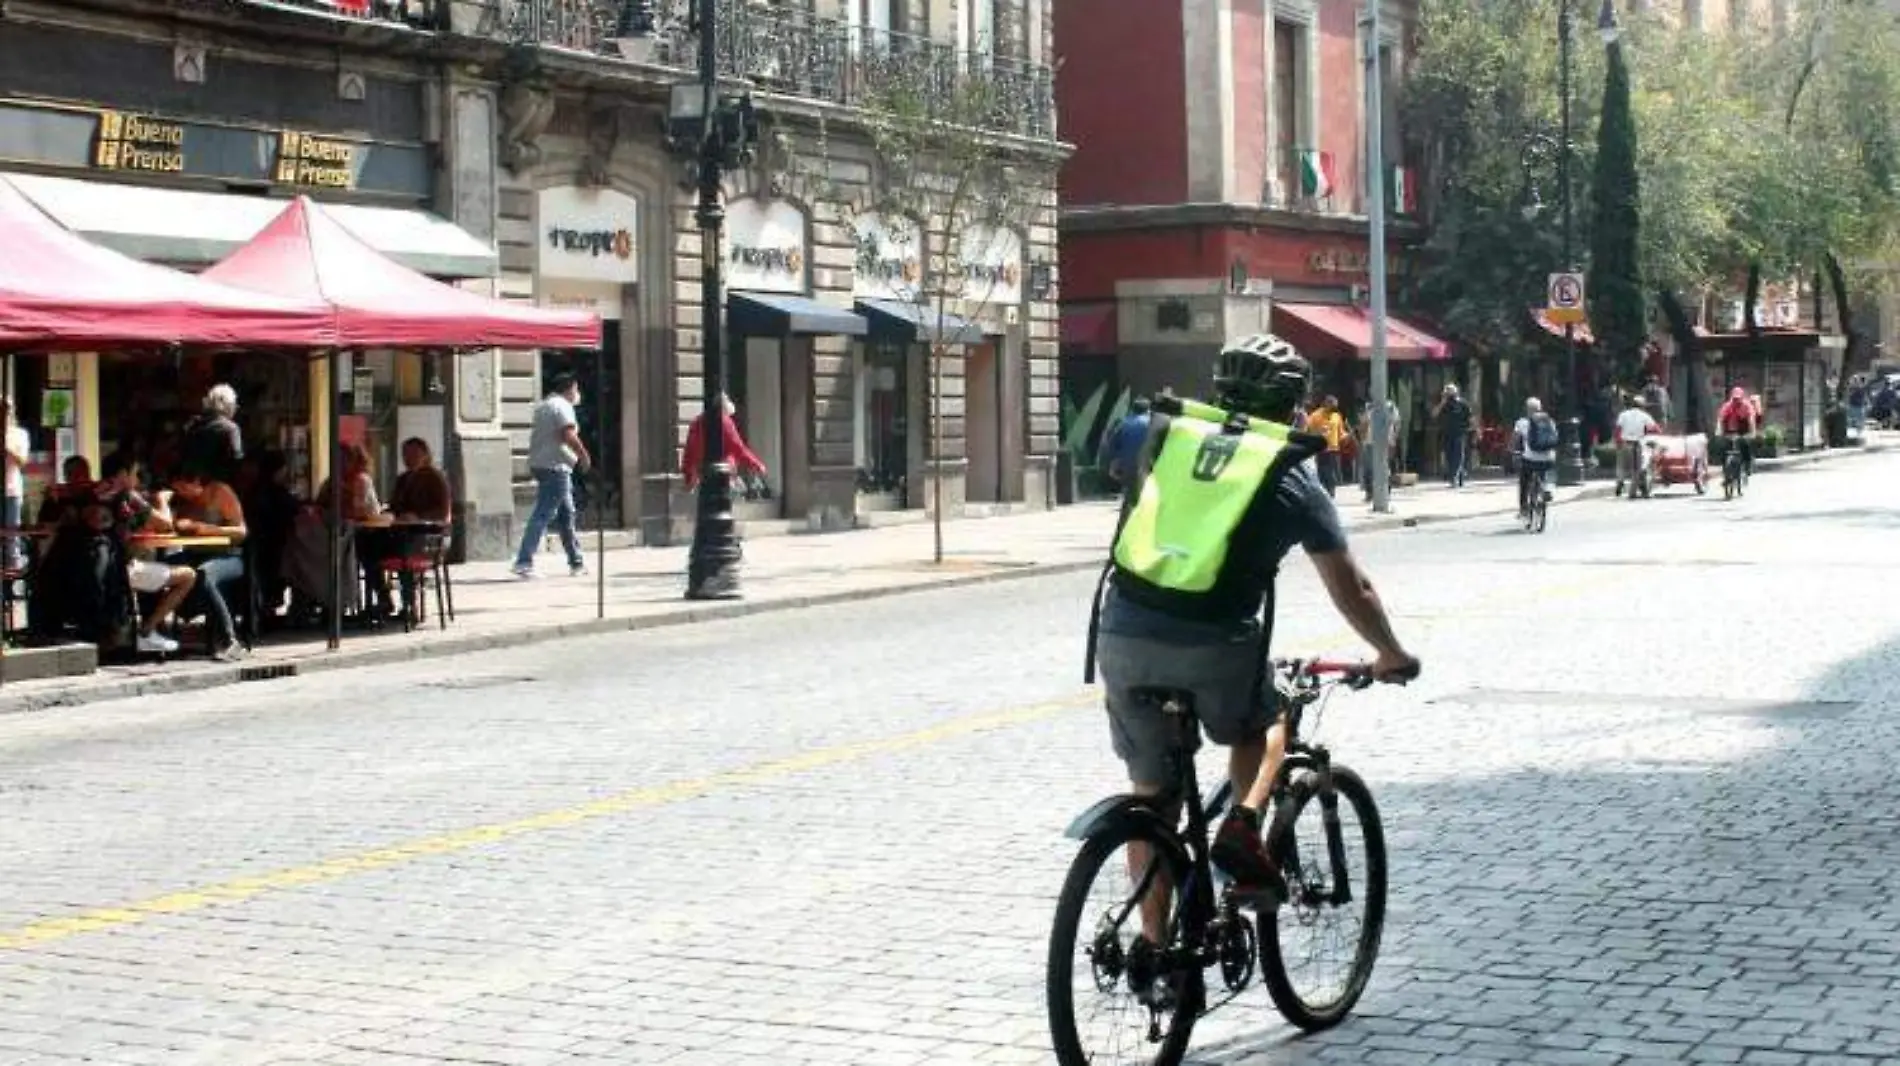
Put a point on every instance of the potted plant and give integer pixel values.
(1768, 444)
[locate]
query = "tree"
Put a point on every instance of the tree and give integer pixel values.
(930, 112)
(1618, 314)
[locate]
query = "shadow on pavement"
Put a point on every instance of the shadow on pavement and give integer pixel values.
(1723, 878)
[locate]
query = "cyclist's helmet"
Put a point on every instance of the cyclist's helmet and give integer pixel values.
(1262, 376)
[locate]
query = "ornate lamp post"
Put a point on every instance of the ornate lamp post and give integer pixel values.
(713, 133)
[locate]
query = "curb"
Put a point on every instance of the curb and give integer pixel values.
(346, 659)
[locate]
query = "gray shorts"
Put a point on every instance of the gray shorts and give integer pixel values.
(1221, 677)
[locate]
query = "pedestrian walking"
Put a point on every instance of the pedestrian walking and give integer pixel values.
(1857, 406)
(743, 459)
(1656, 398)
(1121, 445)
(1327, 422)
(555, 453)
(18, 445)
(1454, 427)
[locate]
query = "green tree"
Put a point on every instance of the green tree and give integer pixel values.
(1618, 314)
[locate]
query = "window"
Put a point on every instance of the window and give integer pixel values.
(1289, 55)
(1390, 141)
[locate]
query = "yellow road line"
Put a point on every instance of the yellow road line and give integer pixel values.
(243, 889)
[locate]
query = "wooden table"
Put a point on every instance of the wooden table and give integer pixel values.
(176, 542)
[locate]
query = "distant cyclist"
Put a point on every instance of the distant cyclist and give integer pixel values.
(1739, 422)
(1534, 442)
(1219, 499)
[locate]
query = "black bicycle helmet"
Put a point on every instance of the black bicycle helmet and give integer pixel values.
(1261, 375)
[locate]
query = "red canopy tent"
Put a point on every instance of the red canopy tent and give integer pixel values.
(307, 256)
(58, 290)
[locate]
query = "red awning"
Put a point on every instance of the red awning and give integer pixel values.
(1326, 326)
(1090, 329)
(58, 290)
(1580, 331)
(306, 255)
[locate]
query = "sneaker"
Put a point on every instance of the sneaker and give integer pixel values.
(525, 573)
(579, 570)
(229, 653)
(1143, 970)
(1239, 852)
(156, 644)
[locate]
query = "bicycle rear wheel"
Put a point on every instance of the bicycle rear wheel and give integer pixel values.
(1540, 513)
(1131, 1010)
(1341, 936)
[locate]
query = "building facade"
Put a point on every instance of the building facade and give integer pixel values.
(517, 147)
(1218, 188)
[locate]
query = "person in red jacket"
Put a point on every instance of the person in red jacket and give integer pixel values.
(742, 458)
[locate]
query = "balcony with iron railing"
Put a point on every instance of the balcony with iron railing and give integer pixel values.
(416, 14)
(790, 51)
(1308, 179)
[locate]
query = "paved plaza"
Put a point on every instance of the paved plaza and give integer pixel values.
(1640, 809)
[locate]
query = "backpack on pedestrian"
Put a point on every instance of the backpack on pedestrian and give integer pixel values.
(1543, 436)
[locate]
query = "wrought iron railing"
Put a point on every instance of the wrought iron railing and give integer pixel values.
(788, 50)
(419, 14)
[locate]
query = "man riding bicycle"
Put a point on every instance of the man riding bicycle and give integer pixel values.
(1534, 441)
(1738, 422)
(1220, 498)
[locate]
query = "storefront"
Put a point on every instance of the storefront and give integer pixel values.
(995, 369)
(587, 258)
(143, 184)
(893, 370)
(771, 321)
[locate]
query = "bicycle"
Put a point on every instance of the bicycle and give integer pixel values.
(1734, 474)
(1207, 927)
(1535, 514)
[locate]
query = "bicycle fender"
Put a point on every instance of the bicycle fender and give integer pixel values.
(1116, 809)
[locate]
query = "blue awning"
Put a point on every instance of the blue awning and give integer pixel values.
(771, 314)
(909, 323)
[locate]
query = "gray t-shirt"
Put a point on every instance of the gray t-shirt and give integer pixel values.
(547, 442)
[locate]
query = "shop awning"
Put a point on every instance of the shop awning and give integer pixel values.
(59, 291)
(908, 323)
(771, 314)
(196, 229)
(307, 256)
(1090, 329)
(1319, 328)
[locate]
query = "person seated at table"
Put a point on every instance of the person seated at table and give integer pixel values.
(422, 492)
(359, 488)
(270, 510)
(203, 507)
(76, 470)
(119, 487)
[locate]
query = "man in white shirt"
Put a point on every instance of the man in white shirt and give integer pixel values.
(1631, 427)
(1534, 440)
(17, 447)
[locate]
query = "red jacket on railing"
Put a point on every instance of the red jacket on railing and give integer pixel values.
(742, 458)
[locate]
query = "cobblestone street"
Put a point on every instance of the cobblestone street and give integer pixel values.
(1640, 809)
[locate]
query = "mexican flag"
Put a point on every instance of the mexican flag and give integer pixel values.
(1316, 173)
(1404, 191)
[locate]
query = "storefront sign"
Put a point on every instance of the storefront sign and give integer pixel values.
(126, 142)
(890, 258)
(765, 246)
(587, 235)
(137, 142)
(307, 159)
(991, 262)
(1351, 262)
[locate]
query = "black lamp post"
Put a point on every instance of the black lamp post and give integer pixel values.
(714, 134)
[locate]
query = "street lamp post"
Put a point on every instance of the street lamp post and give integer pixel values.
(1570, 466)
(713, 134)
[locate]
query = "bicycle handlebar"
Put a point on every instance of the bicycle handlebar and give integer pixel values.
(1354, 675)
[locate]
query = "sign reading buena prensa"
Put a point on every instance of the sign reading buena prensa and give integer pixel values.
(307, 159)
(136, 142)
(1563, 303)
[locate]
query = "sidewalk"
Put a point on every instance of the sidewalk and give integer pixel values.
(645, 587)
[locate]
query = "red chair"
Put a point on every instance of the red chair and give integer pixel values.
(425, 560)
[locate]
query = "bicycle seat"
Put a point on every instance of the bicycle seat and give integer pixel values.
(1171, 700)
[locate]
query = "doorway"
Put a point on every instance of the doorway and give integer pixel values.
(755, 380)
(983, 422)
(599, 416)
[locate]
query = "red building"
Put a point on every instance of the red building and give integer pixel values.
(1217, 189)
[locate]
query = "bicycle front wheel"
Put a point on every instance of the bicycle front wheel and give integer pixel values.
(1112, 1002)
(1317, 950)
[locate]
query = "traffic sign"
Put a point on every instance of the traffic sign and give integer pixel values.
(1563, 301)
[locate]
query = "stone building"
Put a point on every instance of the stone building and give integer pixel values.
(519, 147)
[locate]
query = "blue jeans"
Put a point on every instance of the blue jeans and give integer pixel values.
(1455, 459)
(553, 502)
(213, 575)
